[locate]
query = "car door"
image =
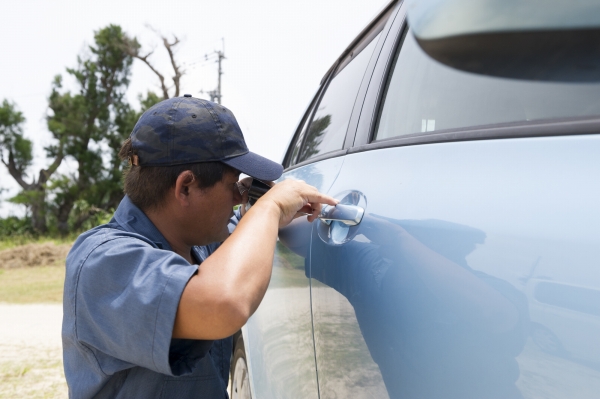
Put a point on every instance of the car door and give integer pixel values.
(471, 187)
(279, 336)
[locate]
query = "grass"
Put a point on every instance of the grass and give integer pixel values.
(38, 377)
(32, 284)
(15, 241)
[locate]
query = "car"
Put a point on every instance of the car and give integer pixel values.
(562, 316)
(463, 144)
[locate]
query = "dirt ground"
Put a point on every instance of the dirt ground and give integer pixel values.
(30, 343)
(31, 351)
(31, 255)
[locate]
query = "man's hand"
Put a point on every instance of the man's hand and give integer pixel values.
(296, 198)
(244, 186)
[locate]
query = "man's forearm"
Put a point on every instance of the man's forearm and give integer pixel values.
(231, 283)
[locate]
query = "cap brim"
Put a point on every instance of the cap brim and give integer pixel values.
(256, 166)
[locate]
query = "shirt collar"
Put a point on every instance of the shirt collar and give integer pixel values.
(133, 219)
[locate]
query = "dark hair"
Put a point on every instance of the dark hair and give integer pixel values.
(147, 186)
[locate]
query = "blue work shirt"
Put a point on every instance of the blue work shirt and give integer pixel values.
(122, 289)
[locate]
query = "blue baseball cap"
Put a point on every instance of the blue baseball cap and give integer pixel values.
(184, 130)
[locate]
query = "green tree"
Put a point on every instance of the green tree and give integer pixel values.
(92, 120)
(16, 152)
(88, 126)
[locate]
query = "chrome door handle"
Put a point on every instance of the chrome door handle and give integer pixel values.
(350, 215)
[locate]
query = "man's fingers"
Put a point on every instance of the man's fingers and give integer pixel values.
(296, 198)
(315, 201)
(319, 198)
(316, 211)
(306, 209)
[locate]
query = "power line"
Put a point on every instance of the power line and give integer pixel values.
(216, 94)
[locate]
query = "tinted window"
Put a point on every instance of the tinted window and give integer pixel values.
(423, 95)
(296, 144)
(327, 130)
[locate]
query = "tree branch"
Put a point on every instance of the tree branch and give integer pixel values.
(144, 59)
(169, 46)
(178, 73)
(45, 174)
(15, 172)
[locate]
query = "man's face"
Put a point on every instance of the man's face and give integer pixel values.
(211, 210)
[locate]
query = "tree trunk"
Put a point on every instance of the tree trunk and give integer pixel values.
(63, 215)
(38, 212)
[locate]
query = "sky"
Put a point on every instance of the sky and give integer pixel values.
(276, 54)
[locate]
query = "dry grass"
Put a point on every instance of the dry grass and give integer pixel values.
(19, 241)
(34, 254)
(33, 273)
(32, 285)
(27, 372)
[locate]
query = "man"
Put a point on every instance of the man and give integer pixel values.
(152, 297)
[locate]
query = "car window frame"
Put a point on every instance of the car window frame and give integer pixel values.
(374, 99)
(379, 26)
(306, 118)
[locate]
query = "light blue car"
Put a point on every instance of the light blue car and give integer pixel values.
(464, 143)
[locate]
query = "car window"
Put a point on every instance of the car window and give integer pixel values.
(300, 138)
(422, 95)
(327, 129)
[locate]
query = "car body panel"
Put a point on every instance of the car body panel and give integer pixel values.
(279, 336)
(570, 313)
(488, 208)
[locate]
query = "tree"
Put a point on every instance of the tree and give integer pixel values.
(88, 126)
(16, 152)
(134, 50)
(88, 120)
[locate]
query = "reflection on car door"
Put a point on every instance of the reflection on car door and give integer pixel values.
(279, 334)
(427, 296)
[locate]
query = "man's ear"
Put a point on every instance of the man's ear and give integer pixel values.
(182, 186)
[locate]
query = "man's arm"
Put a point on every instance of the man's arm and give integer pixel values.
(231, 283)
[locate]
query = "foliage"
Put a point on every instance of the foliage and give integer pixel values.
(81, 125)
(17, 231)
(13, 226)
(85, 216)
(12, 142)
(88, 126)
(95, 120)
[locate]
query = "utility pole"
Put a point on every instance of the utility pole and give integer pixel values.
(216, 95)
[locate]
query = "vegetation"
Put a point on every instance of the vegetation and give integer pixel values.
(39, 375)
(88, 126)
(32, 285)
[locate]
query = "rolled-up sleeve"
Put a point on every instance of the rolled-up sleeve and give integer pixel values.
(127, 296)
